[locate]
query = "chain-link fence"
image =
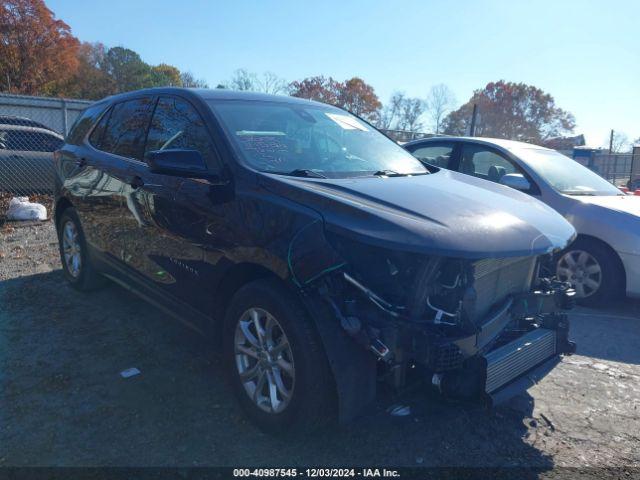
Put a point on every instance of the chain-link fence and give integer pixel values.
(615, 167)
(31, 129)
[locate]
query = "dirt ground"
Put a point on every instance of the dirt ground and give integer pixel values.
(63, 402)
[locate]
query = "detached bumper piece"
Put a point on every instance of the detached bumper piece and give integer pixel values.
(511, 368)
(516, 358)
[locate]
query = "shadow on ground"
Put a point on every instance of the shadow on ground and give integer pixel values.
(64, 402)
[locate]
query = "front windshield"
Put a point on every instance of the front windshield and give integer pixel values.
(321, 141)
(564, 174)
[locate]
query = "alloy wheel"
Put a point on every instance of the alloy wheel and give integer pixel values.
(264, 360)
(71, 249)
(582, 270)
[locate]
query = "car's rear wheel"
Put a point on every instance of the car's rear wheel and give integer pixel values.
(593, 270)
(277, 366)
(76, 264)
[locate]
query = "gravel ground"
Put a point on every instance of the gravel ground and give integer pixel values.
(63, 402)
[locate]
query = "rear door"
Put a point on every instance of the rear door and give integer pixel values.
(104, 181)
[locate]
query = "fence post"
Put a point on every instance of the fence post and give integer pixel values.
(64, 116)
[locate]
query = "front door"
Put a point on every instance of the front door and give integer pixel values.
(166, 243)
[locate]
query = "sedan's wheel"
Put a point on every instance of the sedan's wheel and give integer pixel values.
(264, 360)
(593, 270)
(582, 270)
(76, 266)
(275, 360)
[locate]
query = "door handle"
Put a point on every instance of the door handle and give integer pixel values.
(136, 182)
(81, 162)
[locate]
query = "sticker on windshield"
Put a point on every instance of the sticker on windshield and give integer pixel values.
(347, 122)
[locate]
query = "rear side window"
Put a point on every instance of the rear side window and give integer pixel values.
(177, 125)
(126, 128)
(84, 122)
(29, 141)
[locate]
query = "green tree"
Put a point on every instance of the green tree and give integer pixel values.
(164, 75)
(511, 110)
(127, 70)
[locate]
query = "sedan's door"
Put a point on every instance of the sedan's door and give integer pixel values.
(489, 163)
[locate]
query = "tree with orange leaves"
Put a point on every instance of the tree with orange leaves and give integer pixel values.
(38, 53)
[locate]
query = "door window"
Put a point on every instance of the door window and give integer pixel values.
(482, 162)
(29, 141)
(177, 125)
(126, 128)
(439, 154)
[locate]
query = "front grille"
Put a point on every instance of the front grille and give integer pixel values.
(513, 359)
(495, 279)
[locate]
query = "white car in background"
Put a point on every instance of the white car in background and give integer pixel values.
(604, 260)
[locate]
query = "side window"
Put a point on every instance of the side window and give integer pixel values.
(439, 154)
(177, 125)
(29, 141)
(126, 128)
(95, 138)
(482, 162)
(84, 123)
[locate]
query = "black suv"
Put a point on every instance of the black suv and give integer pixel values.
(323, 257)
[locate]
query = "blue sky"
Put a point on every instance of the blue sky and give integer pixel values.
(585, 53)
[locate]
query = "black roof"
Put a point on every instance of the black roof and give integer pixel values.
(217, 94)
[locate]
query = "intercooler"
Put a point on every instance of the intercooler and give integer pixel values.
(515, 358)
(495, 279)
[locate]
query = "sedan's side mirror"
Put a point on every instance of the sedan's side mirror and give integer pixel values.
(177, 162)
(517, 181)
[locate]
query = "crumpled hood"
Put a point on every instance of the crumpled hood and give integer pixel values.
(445, 213)
(621, 203)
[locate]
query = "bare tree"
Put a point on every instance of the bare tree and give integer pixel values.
(410, 113)
(243, 80)
(391, 111)
(189, 81)
(273, 84)
(440, 101)
(619, 143)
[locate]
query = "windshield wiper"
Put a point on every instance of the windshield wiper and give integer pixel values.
(388, 173)
(305, 172)
(579, 194)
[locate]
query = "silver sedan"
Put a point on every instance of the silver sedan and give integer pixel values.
(604, 260)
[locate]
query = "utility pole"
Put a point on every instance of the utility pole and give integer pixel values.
(472, 129)
(611, 142)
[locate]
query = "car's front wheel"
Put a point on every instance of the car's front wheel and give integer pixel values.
(277, 365)
(593, 271)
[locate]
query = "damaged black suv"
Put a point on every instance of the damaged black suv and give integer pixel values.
(318, 255)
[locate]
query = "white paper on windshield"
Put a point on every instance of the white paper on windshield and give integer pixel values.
(347, 122)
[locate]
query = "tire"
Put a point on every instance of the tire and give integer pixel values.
(82, 275)
(593, 263)
(306, 378)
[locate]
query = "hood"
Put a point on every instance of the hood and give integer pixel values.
(620, 203)
(444, 213)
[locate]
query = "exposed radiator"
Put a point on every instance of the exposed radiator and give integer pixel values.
(495, 279)
(513, 359)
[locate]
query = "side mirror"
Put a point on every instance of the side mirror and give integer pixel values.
(517, 181)
(178, 163)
